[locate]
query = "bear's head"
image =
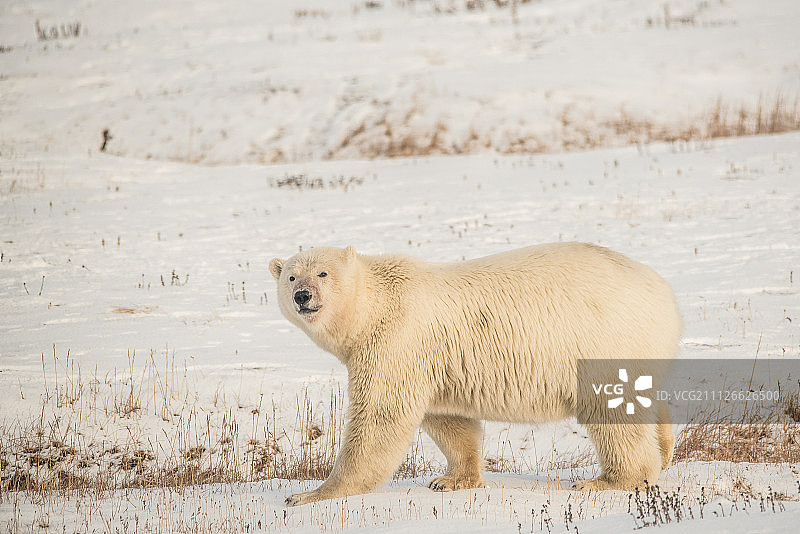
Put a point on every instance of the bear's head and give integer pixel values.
(316, 291)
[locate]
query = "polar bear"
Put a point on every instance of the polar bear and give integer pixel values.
(446, 345)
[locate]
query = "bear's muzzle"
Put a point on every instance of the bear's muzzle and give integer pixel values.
(302, 299)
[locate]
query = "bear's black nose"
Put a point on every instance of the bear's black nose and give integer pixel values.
(302, 297)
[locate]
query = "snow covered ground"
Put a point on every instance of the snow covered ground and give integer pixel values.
(265, 81)
(104, 258)
(138, 314)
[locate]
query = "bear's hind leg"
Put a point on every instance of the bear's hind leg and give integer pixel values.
(666, 441)
(459, 439)
(629, 454)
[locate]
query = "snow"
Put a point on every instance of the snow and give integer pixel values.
(143, 269)
(403, 509)
(266, 82)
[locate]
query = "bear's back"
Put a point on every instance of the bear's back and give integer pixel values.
(518, 320)
(575, 289)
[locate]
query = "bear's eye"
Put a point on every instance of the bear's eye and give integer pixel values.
(323, 274)
(291, 278)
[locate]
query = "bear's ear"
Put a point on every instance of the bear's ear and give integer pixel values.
(351, 253)
(275, 267)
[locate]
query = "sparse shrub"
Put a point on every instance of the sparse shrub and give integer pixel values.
(654, 507)
(311, 13)
(57, 31)
(303, 182)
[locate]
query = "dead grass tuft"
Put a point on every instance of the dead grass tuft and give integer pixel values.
(303, 182)
(768, 116)
(133, 310)
(397, 137)
(415, 464)
(755, 438)
(792, 405)
(749, 442)
(58, 31)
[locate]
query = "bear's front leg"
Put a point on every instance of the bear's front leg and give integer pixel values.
(375, 442)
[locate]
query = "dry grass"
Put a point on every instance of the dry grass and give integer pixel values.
(392, 133)
(147, 427)
(653, 507)
(768, 115)
(754, 437)
(760, 442)
(58, 31)
(303, 182)
(133, 310)
(21, 177)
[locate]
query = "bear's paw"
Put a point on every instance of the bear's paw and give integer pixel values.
(302, 498)
(452, 483)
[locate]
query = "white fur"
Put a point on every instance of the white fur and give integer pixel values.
(495, 338)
